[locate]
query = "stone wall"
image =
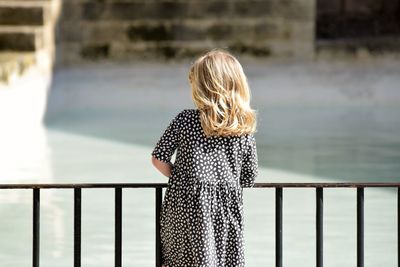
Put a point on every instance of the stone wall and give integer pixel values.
(130, 29)
(357, 18)
(26, 36)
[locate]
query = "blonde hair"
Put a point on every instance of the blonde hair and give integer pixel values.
(221, 92)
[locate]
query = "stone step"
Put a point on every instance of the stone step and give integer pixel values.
(25, 2)
(14, 64)
(21, 38)
(163, 50)
(21, 15)
(353, 46)
(29, 13)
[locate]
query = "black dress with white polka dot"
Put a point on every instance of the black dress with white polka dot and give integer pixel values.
(202, 211)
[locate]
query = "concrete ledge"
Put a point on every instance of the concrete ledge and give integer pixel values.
(372, 44)
(13, 65)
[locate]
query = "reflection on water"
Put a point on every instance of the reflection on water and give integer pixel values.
(338, 143)
(25, 155)
(94, 134)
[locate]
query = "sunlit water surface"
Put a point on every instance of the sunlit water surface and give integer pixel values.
(101, 125)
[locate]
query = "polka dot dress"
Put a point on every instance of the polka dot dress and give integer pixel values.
(202, 211)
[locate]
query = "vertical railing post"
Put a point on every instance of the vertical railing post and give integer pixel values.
(278, 226)
(319, 226)
(157, 218)
(77, 226)
(36, 228)
(118, 227)
(343, 7)
(398, 226)
(360, 227)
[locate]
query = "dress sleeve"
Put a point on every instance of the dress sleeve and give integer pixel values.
(249, 170)
(168, 142)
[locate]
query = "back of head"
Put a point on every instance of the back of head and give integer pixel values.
(221, 92)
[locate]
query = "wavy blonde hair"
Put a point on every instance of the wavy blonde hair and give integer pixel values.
(221, 92)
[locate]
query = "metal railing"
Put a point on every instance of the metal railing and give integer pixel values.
(158, 199)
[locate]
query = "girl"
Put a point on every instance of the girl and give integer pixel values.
(202, 212)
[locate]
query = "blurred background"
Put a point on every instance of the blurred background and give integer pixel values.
(88, 86)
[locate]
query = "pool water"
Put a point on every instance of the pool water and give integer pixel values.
(102, 123)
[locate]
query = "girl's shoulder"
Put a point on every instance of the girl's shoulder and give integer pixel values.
(188, 112)
(191, 110)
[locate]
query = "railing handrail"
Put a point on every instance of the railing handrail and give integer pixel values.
(158, 188)
(163, 185)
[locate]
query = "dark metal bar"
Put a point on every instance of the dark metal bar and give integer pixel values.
(84, 185)
(77, 226)
(343, 7)
(278, 227)
(158, 235)
(118, 227)
(319, 226)
(164, 185)
(36, 228)
(360, 227)
(159, 186)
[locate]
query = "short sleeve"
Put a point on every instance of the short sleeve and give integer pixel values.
(249, 170)
(168, 142)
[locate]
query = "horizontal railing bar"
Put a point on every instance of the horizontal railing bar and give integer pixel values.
(94, 185)
(162, 185)
(325, 185)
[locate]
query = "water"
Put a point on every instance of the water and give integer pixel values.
(103, 121)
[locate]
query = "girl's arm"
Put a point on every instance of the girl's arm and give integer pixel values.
(167, 145)
(163, 167)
